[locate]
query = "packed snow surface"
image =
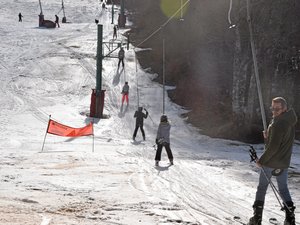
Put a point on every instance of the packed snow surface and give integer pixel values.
(108, 178)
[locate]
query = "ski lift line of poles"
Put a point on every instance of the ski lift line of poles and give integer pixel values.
(163, 68)
(258, 86)
(150, 36)
(164, 24)
(137, 83)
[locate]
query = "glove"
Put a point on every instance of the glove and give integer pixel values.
(156, 141)
(161, 141)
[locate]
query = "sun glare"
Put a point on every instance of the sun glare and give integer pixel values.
(169, 7)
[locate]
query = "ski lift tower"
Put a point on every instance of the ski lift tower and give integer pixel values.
(110, 51)
(64, 19)
(97, 98)
(122, 16)
(41, 15)
(42, 21)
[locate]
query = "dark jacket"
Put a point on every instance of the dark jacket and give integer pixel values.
(163, 132)
(279, 143)
(121, 54)
(139, 115)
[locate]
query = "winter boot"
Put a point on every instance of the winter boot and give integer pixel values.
(289, 214)
(171, 162)
(156, 163)
(258, 207)
(144, 138)
(133, 138)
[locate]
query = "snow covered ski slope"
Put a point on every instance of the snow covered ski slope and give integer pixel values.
(51, 72)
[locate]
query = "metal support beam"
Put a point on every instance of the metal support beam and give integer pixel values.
(41, 7)
(99, 58)
(122, 16)
(262, 109)
(112, 13)
(164, 76)
(64, 19)
(97, 98)
(122, 7)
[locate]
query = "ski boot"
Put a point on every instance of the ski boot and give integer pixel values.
(289, 214)
(156, 163)
(144, 138)
(258, 207)
(171, 162)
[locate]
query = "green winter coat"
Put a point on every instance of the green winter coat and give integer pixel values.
(279, 143)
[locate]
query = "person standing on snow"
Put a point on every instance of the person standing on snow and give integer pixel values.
(57, 20)
(125, 93)
(163, 139)
(115, 32)
(20, 17)
(279, 139)
(121, 56)
(139, 123)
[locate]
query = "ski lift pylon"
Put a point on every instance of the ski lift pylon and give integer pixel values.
(42, 21)
(64, 19)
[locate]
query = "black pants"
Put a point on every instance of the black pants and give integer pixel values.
(159, 149)
(121, 60)
(136, 130)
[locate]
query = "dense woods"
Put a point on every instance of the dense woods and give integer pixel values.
(211, 65)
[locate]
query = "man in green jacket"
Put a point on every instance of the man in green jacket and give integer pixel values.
(279, 140)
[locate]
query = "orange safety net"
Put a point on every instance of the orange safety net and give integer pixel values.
(66, 131)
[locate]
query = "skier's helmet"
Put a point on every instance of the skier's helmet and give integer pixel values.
(163, 118)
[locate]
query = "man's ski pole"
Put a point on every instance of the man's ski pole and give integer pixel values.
(277, 194)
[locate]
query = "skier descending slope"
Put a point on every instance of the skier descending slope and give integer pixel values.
(279, 139)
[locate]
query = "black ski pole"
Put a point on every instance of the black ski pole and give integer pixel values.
(151, 118)
(275, 190)
(277, 194)
(254, 158)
